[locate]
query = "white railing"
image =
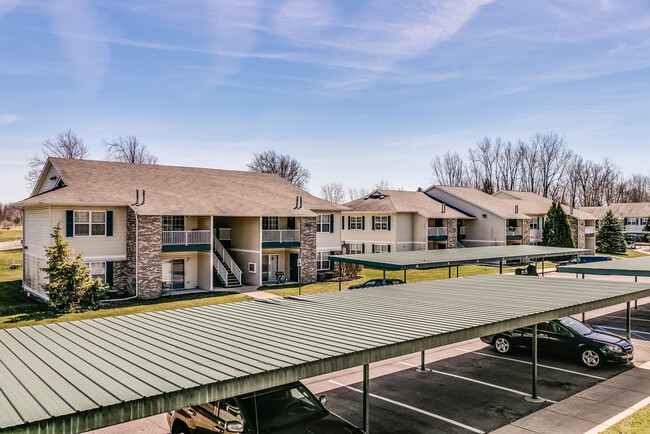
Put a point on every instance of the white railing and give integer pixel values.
(221, 270)
(224, 234)
(438, 232)
(461, 230)
(227, 259)
(171, 238)
(280, 236)
(513, 230)
(590, 230)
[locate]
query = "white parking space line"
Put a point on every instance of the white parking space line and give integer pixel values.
(633, 318)
(495, 386)
(433, 415)
(530, 363)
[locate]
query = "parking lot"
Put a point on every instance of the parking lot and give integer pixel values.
(470, 388)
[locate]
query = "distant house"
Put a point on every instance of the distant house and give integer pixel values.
(536, 207)
(497, 222)
(152, 230)
(633, 216)
(397, 221)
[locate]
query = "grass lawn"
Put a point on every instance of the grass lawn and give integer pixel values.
(628, 254)
(637, 423)
(10, 235)
(411, 276)
(17, 309)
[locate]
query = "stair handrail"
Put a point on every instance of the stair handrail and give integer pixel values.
(221, 270)
(227, 259)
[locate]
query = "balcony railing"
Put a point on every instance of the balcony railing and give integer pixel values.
(281, 236)
(437, 232)
(184, 238)
(513, 231)
(590, 230)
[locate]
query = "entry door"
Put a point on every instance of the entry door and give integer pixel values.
(293, 267)
(178, 273)
(269, 267)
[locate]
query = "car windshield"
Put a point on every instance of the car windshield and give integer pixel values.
(576, 325)
(283, 408)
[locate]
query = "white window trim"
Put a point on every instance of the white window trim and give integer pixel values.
(90, 264)
(270, 219)
(172, 216)
(90, 222)
(381, 248)
(356, 223)
(357, 251)
(253, 269)
(323, 220)
(320, 262)
(381, 222)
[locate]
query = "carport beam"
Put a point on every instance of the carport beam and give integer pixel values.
(366, 400)
(628, 322)
(534, 398)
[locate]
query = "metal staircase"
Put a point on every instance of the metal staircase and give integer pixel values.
(227, 269)
(459, 245)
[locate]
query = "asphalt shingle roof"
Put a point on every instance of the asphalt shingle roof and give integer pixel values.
(405, 201)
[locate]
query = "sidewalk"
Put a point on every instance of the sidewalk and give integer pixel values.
(252, 292)
(592, 410)
(10, 245)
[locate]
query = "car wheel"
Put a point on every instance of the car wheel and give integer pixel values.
(180, 428)
(502, 344)
(591, 357)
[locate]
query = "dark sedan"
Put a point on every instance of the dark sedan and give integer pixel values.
(377, 282)
(570, 337)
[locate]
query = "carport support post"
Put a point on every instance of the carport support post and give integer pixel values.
(501, 266)
(405, 275)
(340, 263)
(366, 401)
(449, 272)
(422, 368)
(635, 281)
(534, 398)
(543, 267)
(384, 276)
(456, 270)
(628, 322)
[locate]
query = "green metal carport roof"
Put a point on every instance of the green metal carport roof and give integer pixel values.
(422, 259)
(616, 267)
(80, 375)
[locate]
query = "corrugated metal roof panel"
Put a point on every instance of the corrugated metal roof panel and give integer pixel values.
(617, 267)
(75, 376)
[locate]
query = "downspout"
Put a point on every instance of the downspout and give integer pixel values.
(136, 259)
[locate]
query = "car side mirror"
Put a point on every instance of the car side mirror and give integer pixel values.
(234, 426)
(323, 400)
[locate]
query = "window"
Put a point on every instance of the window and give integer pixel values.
(534, 223)
(322, 261)
(356, 248)
(229, 411)
(269, 223)
(252, 267)
(381, 223)
(97, 270)
(88, 223)
(323, 223)
(173, 223)
(380, 248)
(356, 222)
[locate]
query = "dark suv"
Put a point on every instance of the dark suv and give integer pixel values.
(377, 282)
(570, 337)
(290, 408)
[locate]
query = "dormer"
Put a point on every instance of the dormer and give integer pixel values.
(50, 179)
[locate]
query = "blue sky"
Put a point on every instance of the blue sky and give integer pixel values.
(358, 91)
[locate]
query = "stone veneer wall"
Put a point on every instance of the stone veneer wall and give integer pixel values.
(577, 231)
(150, 255)
(120, 277)
(525, 231)
(452, 233)
(308, 249)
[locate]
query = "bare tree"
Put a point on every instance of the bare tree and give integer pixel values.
(333, 192)
(382, 184)
(449, 170)
(553, 155)
(510, 165)
(357, 193)
(9, 216)
(284, 165)
(129, 150)
(65, 145)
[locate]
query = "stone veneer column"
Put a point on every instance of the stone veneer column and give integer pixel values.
(525, 231)
(452, 233)
(149, 252)
(575, 231)
(308, 249)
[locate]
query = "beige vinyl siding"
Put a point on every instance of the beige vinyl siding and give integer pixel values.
(191, 266)
(48, 183)
(327, 240)
(481, 232)
(420, 235)
(245, 244)
(204, 270)
(38, 227)
(94, 247)
(403, 226)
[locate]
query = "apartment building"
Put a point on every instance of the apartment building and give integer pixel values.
(633, 216)
(150, 230)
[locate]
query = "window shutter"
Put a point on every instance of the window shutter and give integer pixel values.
(109, 223)
(109, 273)
(69, 223)
(373, 223)
(342, 222)
(349, 227)
(363, 248)
(291, 222)
(388, 222)
(373, 248)
(363, 223)
(331, 223)
(389, 248)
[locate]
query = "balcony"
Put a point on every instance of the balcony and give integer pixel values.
(177, 241)
(513, 233)
(437, 233)
(280, 238)
(590, 231)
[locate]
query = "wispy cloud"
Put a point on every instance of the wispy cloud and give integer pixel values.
(81, 33)
(8, 118)
(7, 5)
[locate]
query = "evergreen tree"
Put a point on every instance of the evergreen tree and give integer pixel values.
(557, 229)
(609, 238)
(646, 228)
(70, 287)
